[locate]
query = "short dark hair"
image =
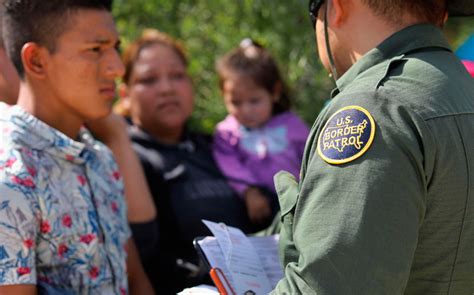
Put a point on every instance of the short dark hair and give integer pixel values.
(430, 11)
(40, 21)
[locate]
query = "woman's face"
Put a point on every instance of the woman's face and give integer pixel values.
(160, 91)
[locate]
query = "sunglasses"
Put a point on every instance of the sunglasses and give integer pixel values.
(314, 6)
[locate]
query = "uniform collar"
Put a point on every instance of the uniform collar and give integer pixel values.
(30, 132)
(407, 40)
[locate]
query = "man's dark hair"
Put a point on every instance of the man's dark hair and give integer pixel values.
(40, 21)
(429, 11)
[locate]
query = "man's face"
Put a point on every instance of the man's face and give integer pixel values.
(81, 72)
(342, 62)
(9, 79)
(321, 38)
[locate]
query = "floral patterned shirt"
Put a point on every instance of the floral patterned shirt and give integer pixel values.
(63, 223)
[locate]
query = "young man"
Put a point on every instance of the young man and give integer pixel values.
(385, 204)
(63, 225)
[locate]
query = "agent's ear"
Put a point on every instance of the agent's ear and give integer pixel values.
(34, 59)
(338, 11)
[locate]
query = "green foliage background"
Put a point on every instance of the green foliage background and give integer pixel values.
(210, 28)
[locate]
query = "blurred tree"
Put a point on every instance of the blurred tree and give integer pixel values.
(209, 29)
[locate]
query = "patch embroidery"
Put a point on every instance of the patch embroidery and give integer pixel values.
(347, 135)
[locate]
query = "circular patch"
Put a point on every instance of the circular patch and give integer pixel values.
(347, 135)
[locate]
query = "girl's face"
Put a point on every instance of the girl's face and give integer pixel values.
(160, 91)
(249, 103)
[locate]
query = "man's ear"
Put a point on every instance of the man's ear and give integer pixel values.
(338, 11)
(34, 59)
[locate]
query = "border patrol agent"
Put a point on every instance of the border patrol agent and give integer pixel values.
(385, 204)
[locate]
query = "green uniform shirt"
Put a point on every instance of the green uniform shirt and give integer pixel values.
(398, 216)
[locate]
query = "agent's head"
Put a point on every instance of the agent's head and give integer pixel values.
(251, 84)
(66, 52)
(424, 11)
(357, 26)
(158, 92)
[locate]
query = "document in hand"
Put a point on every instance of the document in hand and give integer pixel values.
(240, 264)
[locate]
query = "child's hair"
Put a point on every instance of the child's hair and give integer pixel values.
(254, 61)
(40, 21)
(149, 38)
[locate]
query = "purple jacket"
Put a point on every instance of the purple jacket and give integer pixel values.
(252, 156)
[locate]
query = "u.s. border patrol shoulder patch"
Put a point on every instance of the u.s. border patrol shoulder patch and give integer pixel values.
(347, 135)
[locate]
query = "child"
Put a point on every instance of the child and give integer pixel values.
(260, 136)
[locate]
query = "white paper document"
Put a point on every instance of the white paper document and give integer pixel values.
(250, 264)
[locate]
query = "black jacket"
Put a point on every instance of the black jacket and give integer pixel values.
(186, 186)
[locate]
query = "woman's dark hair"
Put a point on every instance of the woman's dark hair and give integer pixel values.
(149, 38)
(40, 21)
(254, 61)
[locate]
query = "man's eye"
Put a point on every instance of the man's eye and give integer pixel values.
(95, 49)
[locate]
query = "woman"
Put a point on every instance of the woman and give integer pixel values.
(186, 184)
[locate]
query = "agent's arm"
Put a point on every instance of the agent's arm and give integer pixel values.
(353, 228)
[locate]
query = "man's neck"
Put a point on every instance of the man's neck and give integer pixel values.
(370, 31)
(48, 111)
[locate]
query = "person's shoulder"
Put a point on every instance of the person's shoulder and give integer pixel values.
(430, 86)
(368, 109)
(4, 109)
(102, 151)
(201, 140)
(288, 118)
(228, 131)
(6, 124)
(149, 151)
(296, 128)
(18, 169)
(229, 124)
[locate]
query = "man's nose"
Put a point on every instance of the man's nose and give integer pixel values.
(115, 67)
